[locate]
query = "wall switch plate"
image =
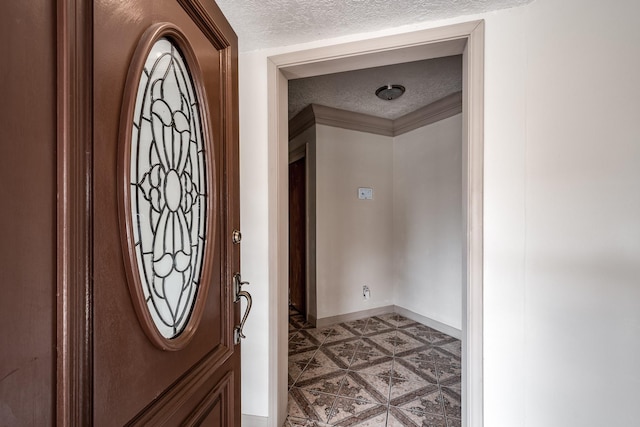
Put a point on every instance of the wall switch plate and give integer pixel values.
(365, 193)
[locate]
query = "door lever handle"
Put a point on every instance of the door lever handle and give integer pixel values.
(237, 331)
(237, 286)
(239, 293)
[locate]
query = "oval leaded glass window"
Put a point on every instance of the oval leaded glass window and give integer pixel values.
(167, 189)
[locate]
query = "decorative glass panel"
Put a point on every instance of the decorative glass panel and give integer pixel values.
(168, 188)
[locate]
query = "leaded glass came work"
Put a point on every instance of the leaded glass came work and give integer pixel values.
(168, 188)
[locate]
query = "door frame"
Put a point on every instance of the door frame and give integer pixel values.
(464, 38)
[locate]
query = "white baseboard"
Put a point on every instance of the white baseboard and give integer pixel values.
(348, 317)
(254, 421)
(438, 326)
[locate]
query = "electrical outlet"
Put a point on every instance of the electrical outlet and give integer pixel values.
(366, 293)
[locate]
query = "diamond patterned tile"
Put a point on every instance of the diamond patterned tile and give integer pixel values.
(404, 371)
(443, 357)
(322, 379)
(401, 418)
(381, 371)
(311, 405)
(356, 327)
(366, 387)
(385, 341)
(300, 322)
(451, 402)
(355, 412)
(338, 333)
(301, 422)
(405, 344)
(294, 370)
(320, 335)
(427, 334)
(324, 357)
(420, 360)
(367, 345)
(439, 339)
(380, 367)
(376, 326)
(418, 329)
(300, 342)
(302, 357)
(454, 422)
(395, 319)
(401, 389)
(454, 347)
(376, 421)
(449, 376)
(363, 360)
(348, 346)
(416, 396)
(341, 353)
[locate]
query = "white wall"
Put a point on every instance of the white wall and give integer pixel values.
(427, 221)
(354, 237)
(254, 226)
(582, 228)
(561, 214)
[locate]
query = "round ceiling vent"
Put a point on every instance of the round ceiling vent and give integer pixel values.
(389, 92)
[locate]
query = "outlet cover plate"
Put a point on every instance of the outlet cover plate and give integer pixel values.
(365, 193)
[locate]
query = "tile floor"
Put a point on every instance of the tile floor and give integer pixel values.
(381, 371)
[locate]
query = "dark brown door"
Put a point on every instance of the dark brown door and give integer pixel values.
(28, 225)
(164, 355)
(297, 235)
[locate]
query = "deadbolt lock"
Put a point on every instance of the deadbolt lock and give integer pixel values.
(236, 237)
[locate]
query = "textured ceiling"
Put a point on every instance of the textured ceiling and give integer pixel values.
(425, 82)
(269, 23)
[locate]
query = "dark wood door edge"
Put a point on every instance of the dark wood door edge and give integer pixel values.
(74, 45)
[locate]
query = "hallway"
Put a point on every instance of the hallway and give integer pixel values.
(380, 371)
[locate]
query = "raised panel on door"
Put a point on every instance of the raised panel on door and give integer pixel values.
(134, 379)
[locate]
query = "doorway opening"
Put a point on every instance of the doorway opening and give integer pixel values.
(369, 245)
(466, 39)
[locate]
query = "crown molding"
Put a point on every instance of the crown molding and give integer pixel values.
(301, 122)
(354, 121)
(313, 114)
(438, 110)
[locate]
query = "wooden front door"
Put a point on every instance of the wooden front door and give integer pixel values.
(165, 205)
